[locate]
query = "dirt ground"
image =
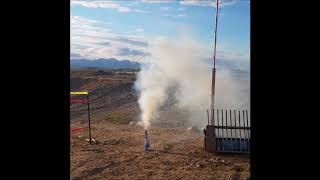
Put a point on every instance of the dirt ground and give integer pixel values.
(176, 153)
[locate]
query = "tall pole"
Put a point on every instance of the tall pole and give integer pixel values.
(89, 118)
(214, 64)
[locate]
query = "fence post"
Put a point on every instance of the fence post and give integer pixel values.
(218, 140)
(246, 136)
(227, 136)
(208, 116)
(222, 137)
(240, 129)
(244, 125)
(211, 144)
(248, 131)
(231, 125)
(89, 118)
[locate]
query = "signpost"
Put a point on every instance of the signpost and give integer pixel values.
(83, 101)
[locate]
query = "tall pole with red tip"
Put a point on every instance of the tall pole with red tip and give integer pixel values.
(214, 65)
(210, 135)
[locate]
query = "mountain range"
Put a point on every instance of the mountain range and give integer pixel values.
(111, 63)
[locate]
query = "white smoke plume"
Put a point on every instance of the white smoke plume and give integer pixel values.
(184, 65)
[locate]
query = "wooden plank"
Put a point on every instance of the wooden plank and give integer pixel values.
(231, 122)
(248, 130)
(247, 120)
(235, 123)
(240, 123)
(240, 130)
(244, 124)
(213, 117)
(218, 122)
(226, 125)
(222, 125)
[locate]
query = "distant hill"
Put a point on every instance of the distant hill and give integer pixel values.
(103, 63)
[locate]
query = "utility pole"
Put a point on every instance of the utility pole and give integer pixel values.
(214, 65)
(210, 135)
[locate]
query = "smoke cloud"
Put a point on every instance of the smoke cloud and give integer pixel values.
(178, 75)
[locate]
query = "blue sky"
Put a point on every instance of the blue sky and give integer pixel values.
(123, 29)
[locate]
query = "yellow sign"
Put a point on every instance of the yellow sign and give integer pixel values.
(84, 92)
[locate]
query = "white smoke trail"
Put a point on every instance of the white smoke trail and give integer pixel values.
(184, 64)
(152, 85)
